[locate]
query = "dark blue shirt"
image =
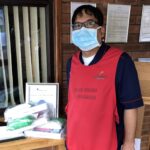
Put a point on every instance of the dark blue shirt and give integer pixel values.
(128, 91)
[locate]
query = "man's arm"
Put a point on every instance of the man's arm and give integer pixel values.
(130, 120)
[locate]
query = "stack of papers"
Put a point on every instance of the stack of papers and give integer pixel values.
(25, 117)
(26, 120)
(24, 110)
(42, 134)
(36, 123)
(53, 129)
(6, 135)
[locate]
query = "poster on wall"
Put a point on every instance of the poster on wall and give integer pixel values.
(74, 6)
(145, 24)
(117, 24)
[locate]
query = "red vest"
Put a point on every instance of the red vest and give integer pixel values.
(91, 110)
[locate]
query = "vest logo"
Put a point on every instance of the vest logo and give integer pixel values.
(100, 76)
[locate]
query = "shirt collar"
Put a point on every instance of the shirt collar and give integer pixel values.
(100, 53)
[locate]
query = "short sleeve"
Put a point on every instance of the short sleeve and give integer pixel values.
(127, 84)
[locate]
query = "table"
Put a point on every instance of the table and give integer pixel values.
(32, 143)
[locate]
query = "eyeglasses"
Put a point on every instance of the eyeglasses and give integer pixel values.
(87, 24)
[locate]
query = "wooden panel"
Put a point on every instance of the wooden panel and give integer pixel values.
(57, 41)
(143, 70)
(31, 143)
(146, 126)
(144, 116)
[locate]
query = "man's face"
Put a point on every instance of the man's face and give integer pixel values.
(88, 21)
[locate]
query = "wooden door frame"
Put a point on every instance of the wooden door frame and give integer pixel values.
(57, 41)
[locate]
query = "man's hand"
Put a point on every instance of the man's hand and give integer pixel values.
(128, 146)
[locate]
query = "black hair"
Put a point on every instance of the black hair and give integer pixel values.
(90, 10)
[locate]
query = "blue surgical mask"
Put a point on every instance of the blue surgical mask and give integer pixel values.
(85, 38)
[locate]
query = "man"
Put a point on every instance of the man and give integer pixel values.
(104, 91)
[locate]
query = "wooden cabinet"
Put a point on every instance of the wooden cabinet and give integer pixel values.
(143, 124)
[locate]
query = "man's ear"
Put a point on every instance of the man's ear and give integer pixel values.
(103, 33)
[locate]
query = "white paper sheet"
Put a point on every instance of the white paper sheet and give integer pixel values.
(145, 24)
(117, 23)
(6, 134)
(137, 144)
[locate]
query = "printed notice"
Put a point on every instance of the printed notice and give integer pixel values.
(44, 92)
(117, 23)
(145, 24)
